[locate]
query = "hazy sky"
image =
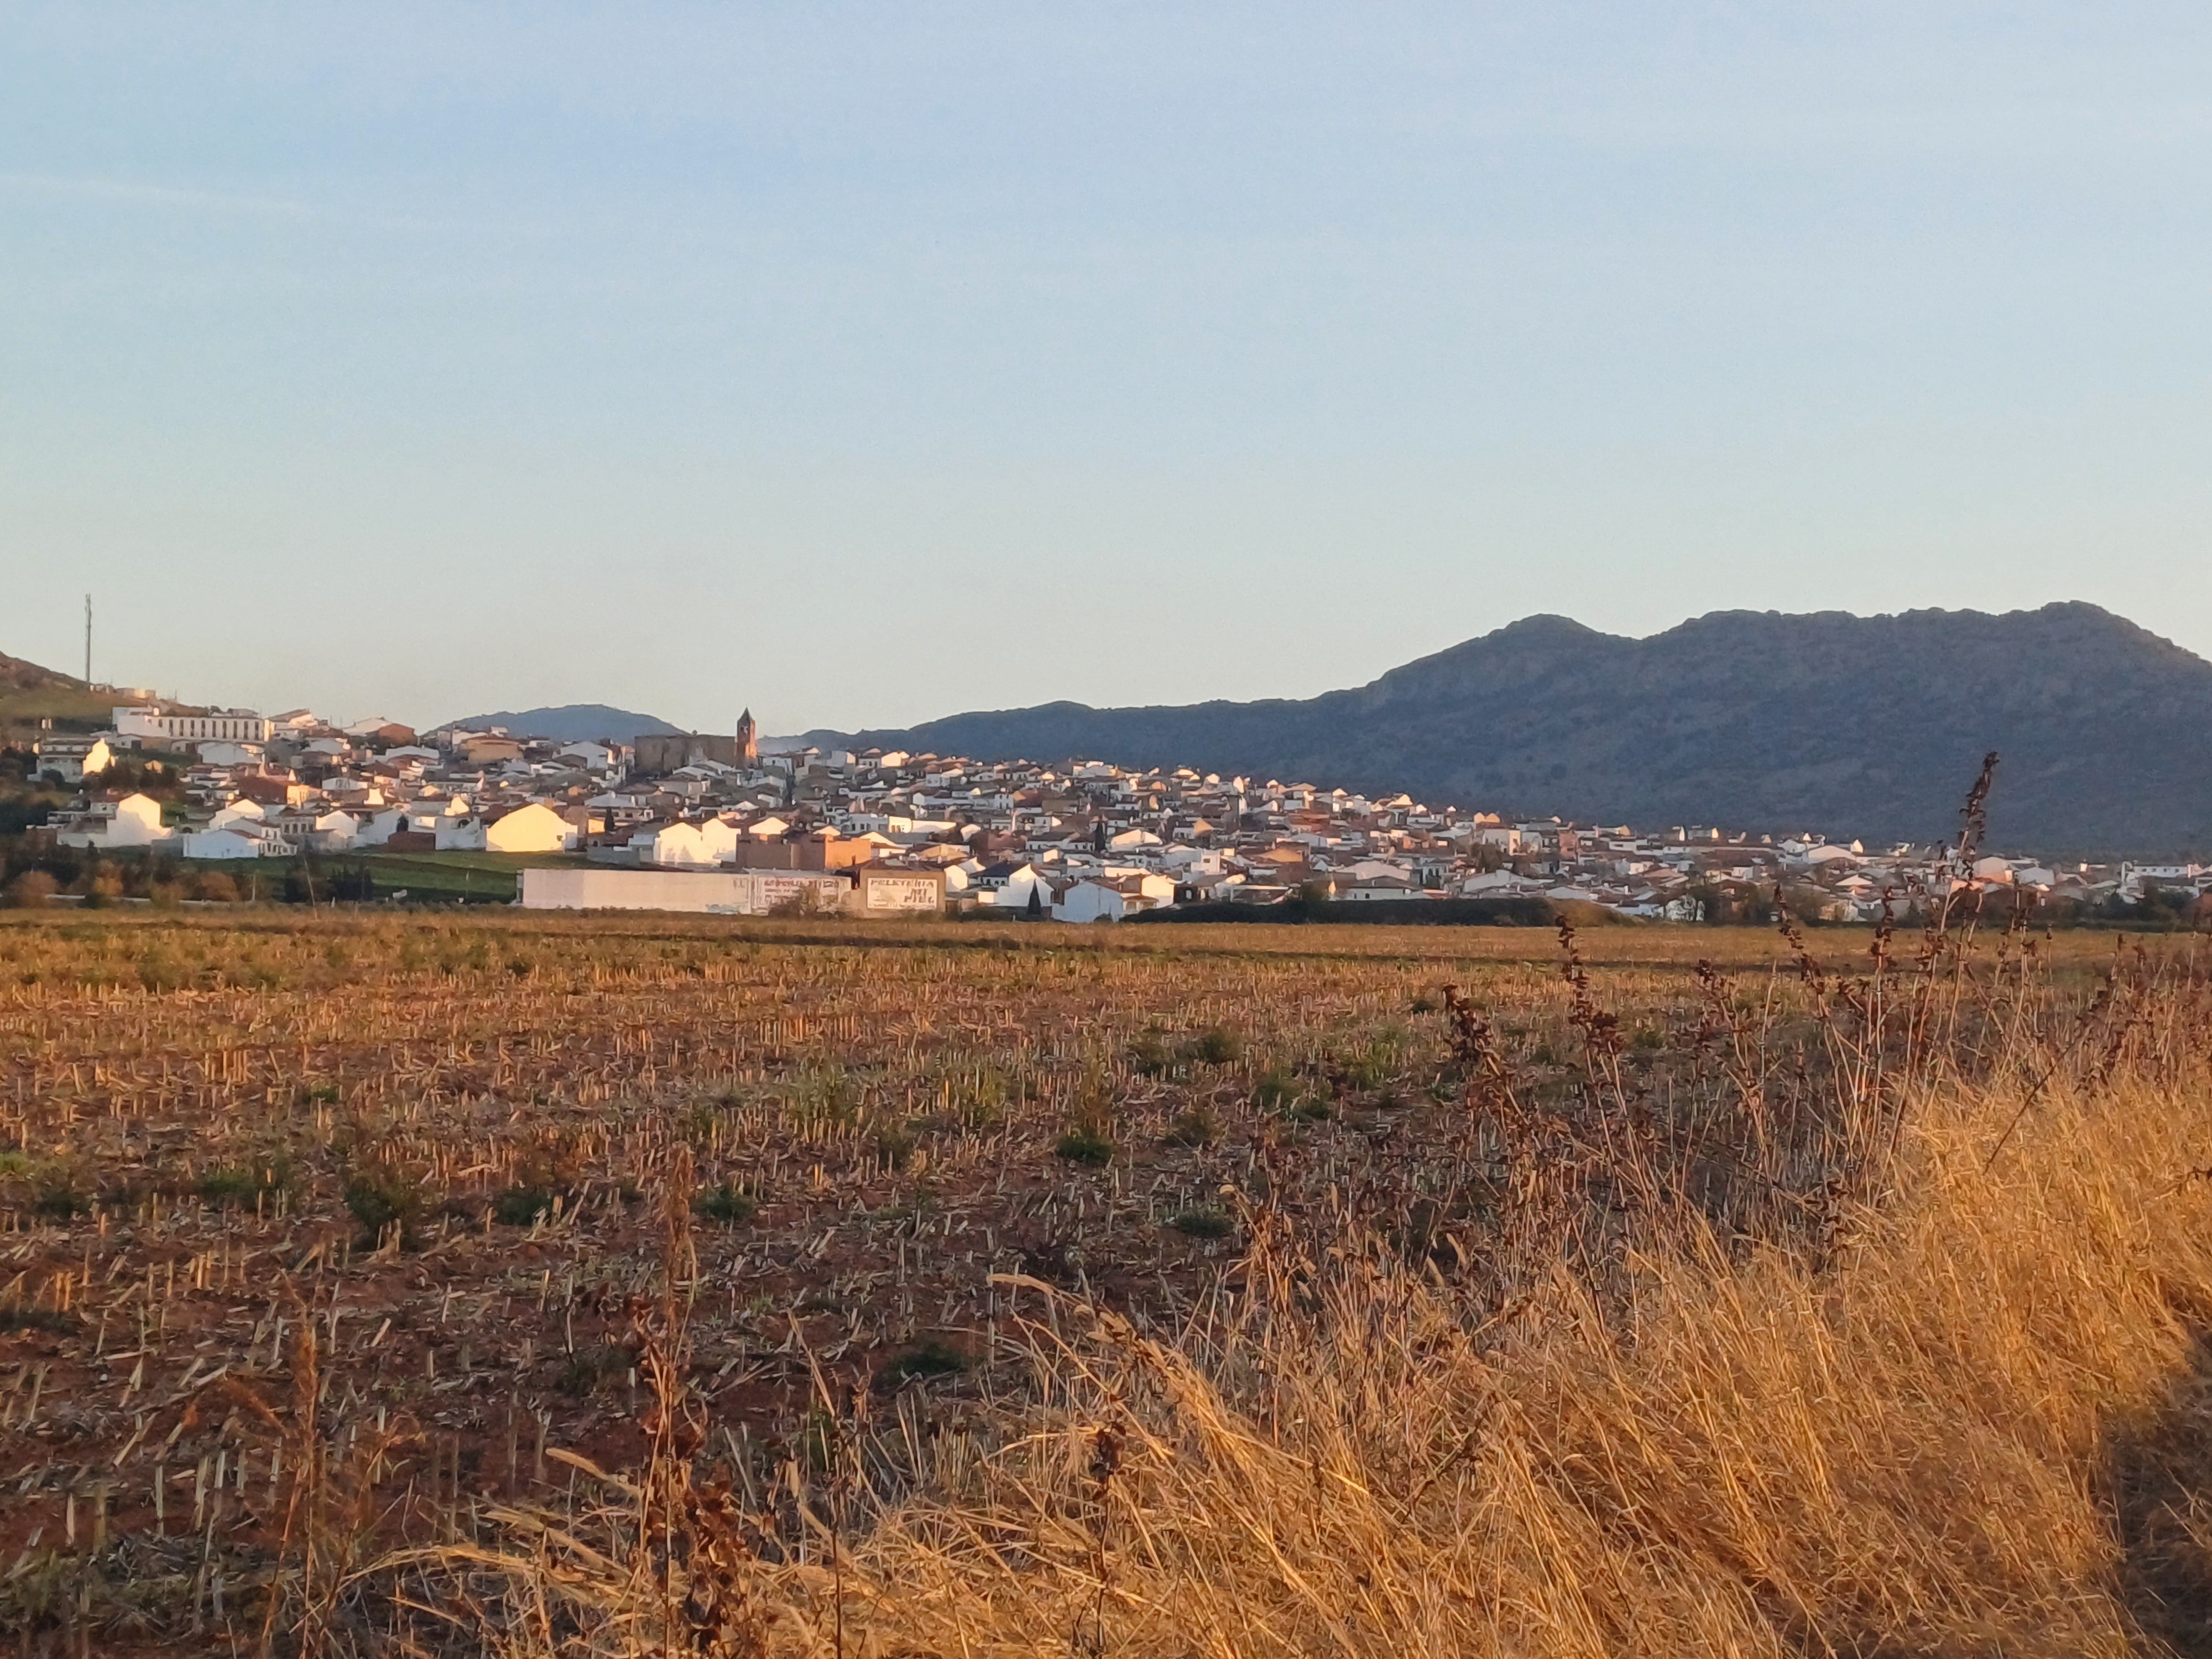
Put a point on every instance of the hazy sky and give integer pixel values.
(865, 363)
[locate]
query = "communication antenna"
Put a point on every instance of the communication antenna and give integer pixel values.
(87, 639)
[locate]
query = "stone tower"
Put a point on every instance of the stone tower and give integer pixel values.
(748, 739)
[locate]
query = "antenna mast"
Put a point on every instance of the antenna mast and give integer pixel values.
(87, 639)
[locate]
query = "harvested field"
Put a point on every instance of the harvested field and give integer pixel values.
(329, 1238)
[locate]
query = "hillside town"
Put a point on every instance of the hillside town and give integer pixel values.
(716, 823)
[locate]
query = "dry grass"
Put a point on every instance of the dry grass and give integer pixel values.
(1983, 1431)
(1765, 1309)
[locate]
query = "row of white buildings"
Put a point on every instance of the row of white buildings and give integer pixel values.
(1081, 841)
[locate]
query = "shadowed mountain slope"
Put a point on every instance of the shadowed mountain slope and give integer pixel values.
(1857, 726)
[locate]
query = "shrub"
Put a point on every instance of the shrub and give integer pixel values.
(1218, 1047)
(14, 1316)
(727, 1204)
(1197, 1125)
(895, 1145)
(242, 1184)
(159, 971)
(1149, 1055)
(1369, 1067)
(925, 1359)
(587, 1370)
(521, 1206)
(31, 890)
(825, 1097)
(983, 1105)
(381, 1199)
(59, 1200)
(1203, 1223)
(1086, 1144)
(1278, 1091)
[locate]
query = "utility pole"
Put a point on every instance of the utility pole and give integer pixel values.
(87, 639)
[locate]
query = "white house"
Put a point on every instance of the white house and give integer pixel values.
(1011, 889)
(430, 815)
(1209, 886)
(674, 846)
(1824, 852)
(1376, 870)
(684, 845)
(133, 821)
(459, 835)
(240, 814)
(239, 840)
(1367, 890)
(592, 757)
(1495, 882)
(373, 824)
(1113, 898)
(907, 829)
(224, 726)
(73, 759)
(536, 828)
(1192, 861)
(330, 830)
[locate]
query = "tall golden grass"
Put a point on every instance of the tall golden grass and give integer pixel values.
(1964, 1407)
(1951, 1442)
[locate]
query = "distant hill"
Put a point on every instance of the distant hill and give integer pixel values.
(1865, 726)
(572, 722)
(29, 693)
(17, 675)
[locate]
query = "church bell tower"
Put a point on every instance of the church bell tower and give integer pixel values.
(748, 739)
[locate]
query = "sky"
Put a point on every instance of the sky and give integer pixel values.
(861, 364)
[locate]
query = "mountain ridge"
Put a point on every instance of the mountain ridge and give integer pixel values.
(1759, 720)
(570, 722)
